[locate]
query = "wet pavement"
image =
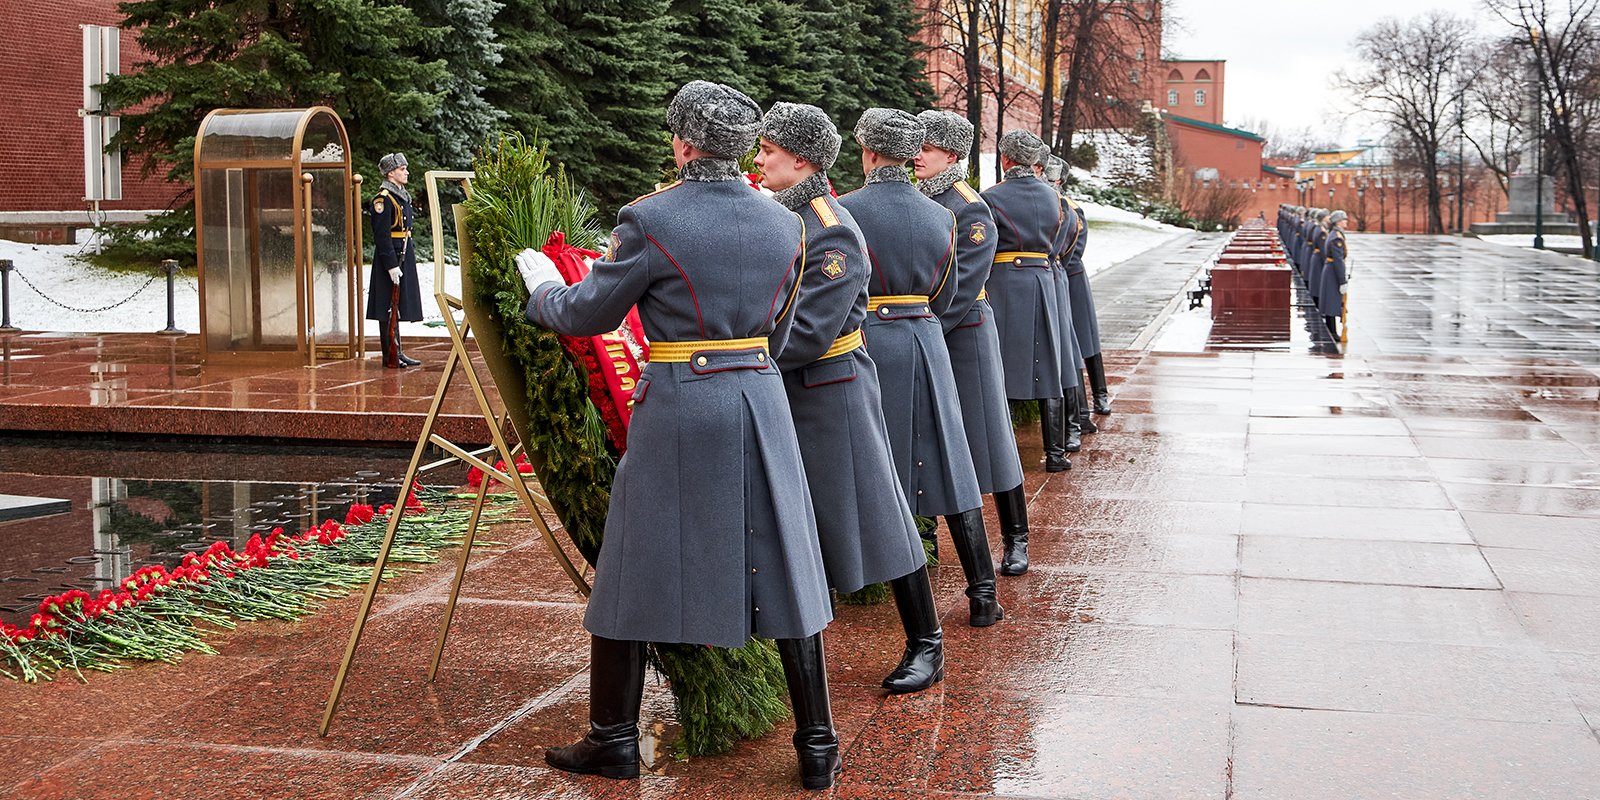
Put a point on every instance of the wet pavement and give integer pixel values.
(1273, 574)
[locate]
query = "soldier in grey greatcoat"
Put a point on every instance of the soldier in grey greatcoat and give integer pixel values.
(1072, 232)
(1335, 249)
(1029, 307)
(1085, 322)
(710, 538)
(1315, 258)
(911, 243)
(970, 333)
(863, 522)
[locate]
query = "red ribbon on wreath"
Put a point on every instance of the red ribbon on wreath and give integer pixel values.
(611, 359)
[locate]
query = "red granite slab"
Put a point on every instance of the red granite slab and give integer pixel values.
(146, 384)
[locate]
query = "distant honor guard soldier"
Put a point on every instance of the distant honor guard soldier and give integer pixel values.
(710, 538)
(1330, 296)
(863, 521)
(1028, 305)
(393, 293)
(970, 332)
(911, 241)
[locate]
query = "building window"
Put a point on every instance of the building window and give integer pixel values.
(1172, 97)
(1133, 77)
(1199, 97)
(1202, 75)
(1139, 53)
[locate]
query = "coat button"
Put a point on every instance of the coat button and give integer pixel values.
(701, 361)
(761, 357)
(758, 609)
(919, 463)
(919, 492)
(752, 570)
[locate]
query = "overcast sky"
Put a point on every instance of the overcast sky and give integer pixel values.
(1282, 53)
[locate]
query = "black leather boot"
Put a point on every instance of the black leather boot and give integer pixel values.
(1013, 509)
(806, 671)
(400, 354)
(616, 685)
(922, 664)
(1052, 424)
(1096, 367)
(386, 346)
(1085, 422)
(1074, 428)
(1333, 326)
(972, 548)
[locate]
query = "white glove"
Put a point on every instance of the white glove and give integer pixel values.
(394, 275)
(1344, 288)
(536, 268)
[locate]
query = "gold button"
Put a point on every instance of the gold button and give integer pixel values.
(919, 492)
(701, 361)
(758, 609)
(761, 356)
(752, 570)
(919, 463)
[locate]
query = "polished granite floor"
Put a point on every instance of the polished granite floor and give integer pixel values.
(1274, 574)
(152, 385)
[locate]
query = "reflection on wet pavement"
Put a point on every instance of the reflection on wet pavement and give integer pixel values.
(1273, 574)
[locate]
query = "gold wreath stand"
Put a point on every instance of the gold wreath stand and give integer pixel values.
(504, 373)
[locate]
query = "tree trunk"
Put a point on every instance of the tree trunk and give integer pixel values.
(1051, 52)
(973, 46)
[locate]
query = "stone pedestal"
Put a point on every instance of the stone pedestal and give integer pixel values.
(1530, 194)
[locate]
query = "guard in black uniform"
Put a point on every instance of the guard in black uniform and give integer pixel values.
(393, 294)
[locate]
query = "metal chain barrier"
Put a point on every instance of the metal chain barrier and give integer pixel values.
(75, 309)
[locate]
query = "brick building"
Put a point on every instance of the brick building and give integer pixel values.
(43, 178)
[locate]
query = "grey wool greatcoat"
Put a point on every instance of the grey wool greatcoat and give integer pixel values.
(1085, 323)
(710, 537)
(974, 345)
(1027, 302)
(1318, 260)
(863, 522)
(1071, 356)
(1330, 301)
(392, 246)
(911, 244)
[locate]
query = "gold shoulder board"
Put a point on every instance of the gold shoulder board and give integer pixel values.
(824, 212)
(667, 188)
(966, 191)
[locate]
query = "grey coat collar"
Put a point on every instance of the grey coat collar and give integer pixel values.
(1020, 172)
(809, 188)
(707, 170)
(397, 190)
(941, 183)
(896, 173)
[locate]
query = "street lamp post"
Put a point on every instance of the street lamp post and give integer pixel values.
(1361, 205)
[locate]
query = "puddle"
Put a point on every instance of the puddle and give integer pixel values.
(133, 505)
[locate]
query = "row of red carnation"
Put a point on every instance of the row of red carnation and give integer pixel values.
(77, 605)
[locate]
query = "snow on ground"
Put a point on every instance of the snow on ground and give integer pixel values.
(1115, 235)
(85, 288)
(1573, 242)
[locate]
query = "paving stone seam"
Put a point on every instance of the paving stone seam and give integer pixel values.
(555, 694)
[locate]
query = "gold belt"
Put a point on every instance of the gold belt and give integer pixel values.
(681, 352)
(399, 234)
(983, 294)
(874, 303)
(1010, 256)
(844, 344)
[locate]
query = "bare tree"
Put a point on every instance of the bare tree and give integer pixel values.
(998, 15)
(1412, 77)
(1299, 144)
(1564, 38)
(965, 19)
(1103, 45)
(1500, 107)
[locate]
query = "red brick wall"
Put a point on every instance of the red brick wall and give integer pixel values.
(1234, 157)
(41, 79)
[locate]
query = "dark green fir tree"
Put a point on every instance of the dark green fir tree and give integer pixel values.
(470, 48)
(592, 78)
(357, 56)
